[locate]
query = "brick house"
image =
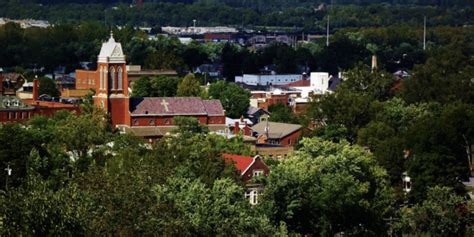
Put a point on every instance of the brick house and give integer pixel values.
(283, 134)
(249, 167)
(15, 110)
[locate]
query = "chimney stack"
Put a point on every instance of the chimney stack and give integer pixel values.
(236, 128)
(35, 89)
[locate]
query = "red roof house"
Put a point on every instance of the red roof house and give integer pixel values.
(248, 166)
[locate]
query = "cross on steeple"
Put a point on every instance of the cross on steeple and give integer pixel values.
(165, 104)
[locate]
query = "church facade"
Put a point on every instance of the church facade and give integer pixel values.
(148, 117)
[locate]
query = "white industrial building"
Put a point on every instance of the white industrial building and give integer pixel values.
(264, 80)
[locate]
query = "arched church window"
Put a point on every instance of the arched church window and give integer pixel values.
(101, 77)
(104, 79)
(112, 85)
(120, 78)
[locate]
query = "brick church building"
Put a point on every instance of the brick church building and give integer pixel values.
(148, 117)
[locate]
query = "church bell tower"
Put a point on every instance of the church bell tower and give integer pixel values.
(112, 83)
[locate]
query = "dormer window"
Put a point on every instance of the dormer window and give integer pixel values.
(6, 103)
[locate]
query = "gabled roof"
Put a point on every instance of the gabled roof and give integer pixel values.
(276, 130)
(242, 163)
(253, 110)
(175, 106)
(111, 52)
(333, 83)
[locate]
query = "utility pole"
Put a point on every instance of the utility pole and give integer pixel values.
(327, 27)
(327, 33)
(9, 173)
(424, 34)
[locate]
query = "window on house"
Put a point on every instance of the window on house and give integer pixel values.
(166, 121)
(135, 122)
(252, 196)
(257, 173)
(9, 115)
(152, 122)
(16, 115)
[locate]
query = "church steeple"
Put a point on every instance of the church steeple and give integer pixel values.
(112, 81)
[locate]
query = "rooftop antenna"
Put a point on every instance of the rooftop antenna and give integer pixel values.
(424, 34)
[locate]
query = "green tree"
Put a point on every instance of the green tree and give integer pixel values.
(48, 87)
(313, 191)
(234, 99)
(164, 86)
(80, 135)
(443, 213)
(437, 143)
(189, 86)
(198, 209)
(445, 77)
(160, 86)
(39, 208)
(142, 87)
(281, 113)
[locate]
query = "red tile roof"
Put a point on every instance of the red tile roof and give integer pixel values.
(300, 83)
(175, 106)
(240, 162)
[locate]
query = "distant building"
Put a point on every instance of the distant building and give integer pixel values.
(13, 109)
(262, 40)
(267, 80)
(213, 70)
(283, 134)
(241, 126)
(26, 23)
(264, 99)
(65, 82)
(197, 30)
(218, 37)
(257, 115)
(10, 83)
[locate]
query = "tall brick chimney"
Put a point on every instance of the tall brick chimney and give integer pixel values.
(236, 128)
(35, 89)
